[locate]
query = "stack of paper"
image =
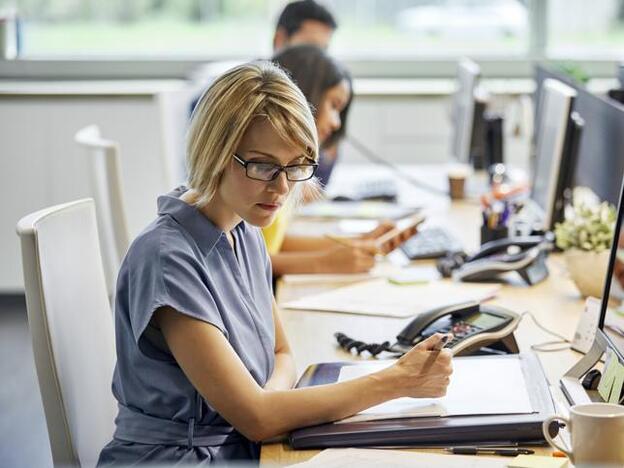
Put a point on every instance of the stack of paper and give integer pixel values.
(380, 297)
(479, 386)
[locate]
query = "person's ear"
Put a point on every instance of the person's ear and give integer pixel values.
(280, 38)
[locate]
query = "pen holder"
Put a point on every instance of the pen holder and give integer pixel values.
(490, 234)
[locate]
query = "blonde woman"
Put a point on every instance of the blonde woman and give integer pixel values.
(204, 370)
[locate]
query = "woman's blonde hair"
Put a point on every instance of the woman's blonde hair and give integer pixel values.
(228, 107)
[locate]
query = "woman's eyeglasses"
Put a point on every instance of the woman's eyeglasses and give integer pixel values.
(269, 171)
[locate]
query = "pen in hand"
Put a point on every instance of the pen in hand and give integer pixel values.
(339, 240)
(440, 344)
(346, 242)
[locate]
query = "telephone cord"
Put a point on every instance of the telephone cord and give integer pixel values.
(548, 346)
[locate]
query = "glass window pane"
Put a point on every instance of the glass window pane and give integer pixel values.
(367, 28)
(147, 28)
(428, 28)
(581, 28)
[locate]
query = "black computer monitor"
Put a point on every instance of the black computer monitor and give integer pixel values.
(600, 161)
(555, 135)
(543, 72)
(569, 163)
(477, 147)
(463, 109)
(611, 324)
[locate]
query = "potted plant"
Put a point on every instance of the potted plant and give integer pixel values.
(585, 236)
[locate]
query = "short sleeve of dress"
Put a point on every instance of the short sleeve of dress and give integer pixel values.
(268, 267)
(166, 272)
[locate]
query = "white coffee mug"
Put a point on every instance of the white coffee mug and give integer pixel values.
(596, 431)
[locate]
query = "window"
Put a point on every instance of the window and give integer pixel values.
(217, 28)
(145, 28)
(370, 29)
(431, 28)
(581, 28)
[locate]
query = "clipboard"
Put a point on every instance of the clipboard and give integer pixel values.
(432, 431)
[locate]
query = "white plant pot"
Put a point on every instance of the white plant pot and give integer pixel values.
(588, 270)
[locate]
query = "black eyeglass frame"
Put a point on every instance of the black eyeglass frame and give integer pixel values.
(278, 168)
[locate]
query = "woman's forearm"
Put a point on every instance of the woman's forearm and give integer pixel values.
(285, 263)
(305, 244)
(286, 410)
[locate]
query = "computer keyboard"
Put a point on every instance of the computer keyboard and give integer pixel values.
(430, 243)
(376, 189)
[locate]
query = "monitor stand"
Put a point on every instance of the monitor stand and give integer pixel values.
(571, 381)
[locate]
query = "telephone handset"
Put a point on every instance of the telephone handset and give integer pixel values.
(474, 326)
(524, 255)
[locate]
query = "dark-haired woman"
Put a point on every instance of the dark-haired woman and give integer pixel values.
(327, 86)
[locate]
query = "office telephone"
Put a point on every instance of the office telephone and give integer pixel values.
(476, 328)
(525, 255)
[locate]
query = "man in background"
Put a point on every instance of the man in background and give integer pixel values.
(304, 22)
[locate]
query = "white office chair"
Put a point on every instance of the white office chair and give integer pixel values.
(72, 329)
(105, 173)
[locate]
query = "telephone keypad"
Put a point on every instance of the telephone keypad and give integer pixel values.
(460, 330)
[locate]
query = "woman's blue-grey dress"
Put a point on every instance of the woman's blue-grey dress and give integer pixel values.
(182, 260)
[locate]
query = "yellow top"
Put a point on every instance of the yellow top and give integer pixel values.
(275, 232)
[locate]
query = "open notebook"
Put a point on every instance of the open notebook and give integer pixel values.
(380, 297)
(478, 387)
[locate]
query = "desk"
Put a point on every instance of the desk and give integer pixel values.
(555, 303)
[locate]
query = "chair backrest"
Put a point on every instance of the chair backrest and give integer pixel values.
(71, 327)
(105, 172)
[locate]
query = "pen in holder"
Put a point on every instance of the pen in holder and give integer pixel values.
(495, 221)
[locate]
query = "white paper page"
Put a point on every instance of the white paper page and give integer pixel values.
(382, 298)
(373, 458)
(320, 278)
(479, 385)
(357, 210)
(356, 226)
(380, 270)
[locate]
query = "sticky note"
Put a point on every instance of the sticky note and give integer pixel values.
(618, 382)
(415, 275)
(537, 461)
(608, 376)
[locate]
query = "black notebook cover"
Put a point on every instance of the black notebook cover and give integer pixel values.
(431, 431)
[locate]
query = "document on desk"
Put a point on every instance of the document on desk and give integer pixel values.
(355, 210)
(329, 278)
(383, 298)
(375, 458)
(479, 386)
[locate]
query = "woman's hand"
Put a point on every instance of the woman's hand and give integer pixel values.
(424, 371)
(389, 245)
(355, 258)
(382, 228)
